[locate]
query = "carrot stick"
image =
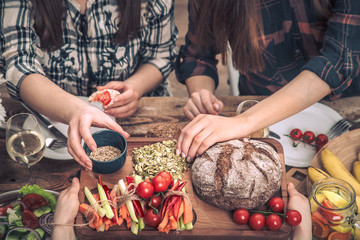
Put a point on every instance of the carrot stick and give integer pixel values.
(181, 209)
(91, 215)
(164, 221)
(188, 214)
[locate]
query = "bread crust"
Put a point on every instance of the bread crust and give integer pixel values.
(237, 174)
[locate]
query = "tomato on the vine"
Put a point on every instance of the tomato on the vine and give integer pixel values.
(296, 134)
(321, 140)
(308, 137)
(293, 217)
(276, 204)
(241, 216)
(145, 190)
(257, 221)
(151, 218)
(155, 202)
(167, 176)
(273, 222)
(159, 183)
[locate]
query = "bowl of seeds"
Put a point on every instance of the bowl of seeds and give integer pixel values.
(110, 155)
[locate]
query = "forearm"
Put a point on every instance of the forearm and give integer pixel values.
(303, 91)
(146, 78)
(47, 98)
(63, 232)
(196, 83)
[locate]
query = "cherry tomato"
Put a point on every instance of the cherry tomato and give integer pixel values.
(257, 221)
(167, 176)
(159, 183)
(155, 202)
(241, 216)
(3, 210)
(296, 134)
(308, 137)
(145, 190)
(276, 204)
(273, 222)
(33, 201)
(293, 217)
(321, 140)
(151, 218)
(29, 219)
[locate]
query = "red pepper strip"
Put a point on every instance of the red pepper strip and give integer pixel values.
(176, 207)
(107, 193)
(328, 214)
(174, 198)
(136, 203)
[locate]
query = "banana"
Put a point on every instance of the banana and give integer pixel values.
(336, 168)
(356, 170)
(315, 174)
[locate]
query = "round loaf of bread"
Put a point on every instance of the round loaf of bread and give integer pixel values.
(237, 174)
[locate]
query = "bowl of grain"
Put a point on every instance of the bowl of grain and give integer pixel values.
(110, 155)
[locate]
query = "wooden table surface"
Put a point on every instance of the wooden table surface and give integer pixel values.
(54, 174)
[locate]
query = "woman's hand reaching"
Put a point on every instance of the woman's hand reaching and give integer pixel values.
(202, 102)
(79, 128)
(204, 131)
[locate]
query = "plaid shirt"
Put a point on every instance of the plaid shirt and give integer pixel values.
(20, 54)
(295, 40)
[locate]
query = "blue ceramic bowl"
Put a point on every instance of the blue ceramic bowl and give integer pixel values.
(108, 138)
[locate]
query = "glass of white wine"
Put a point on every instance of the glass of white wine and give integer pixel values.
(25, 142)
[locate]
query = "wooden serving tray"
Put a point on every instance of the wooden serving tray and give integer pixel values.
(211, 222)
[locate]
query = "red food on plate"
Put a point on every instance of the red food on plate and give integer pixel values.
(105, 96)
(33, 201)
(308, 137)
(296, 134)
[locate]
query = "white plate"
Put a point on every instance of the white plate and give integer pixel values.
(317, 118)
(62, 153)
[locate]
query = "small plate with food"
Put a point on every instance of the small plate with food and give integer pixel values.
(305, 127)
(25, 212)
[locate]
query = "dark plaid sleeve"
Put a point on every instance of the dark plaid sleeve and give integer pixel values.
(338, 61)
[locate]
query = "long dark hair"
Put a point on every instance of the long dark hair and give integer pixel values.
(239, 23)
(48, 17)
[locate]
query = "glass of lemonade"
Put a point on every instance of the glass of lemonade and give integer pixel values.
(334, 211)
(242, 107)
(25, 142)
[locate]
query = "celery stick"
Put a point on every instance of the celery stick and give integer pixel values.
(138, 179)
(104, 202)
(134, 228)
(181, 223)
(93, 202)
(129, 204)
(189, 226)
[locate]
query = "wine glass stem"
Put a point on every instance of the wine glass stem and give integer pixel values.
(31, 176)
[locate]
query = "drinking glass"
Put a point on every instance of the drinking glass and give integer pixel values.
(333, 209)
(242, 107)
(25, 142)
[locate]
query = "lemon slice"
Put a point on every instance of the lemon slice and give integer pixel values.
(341, 229)
(336, 199)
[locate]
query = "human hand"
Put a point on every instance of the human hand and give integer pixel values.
(126, 103)
(79, 128)
(299, 202)
(67, 204)
(204, 131)
(202, 102)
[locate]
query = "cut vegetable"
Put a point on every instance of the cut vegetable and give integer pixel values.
(129, 204)
(105, 203)
(93, 202)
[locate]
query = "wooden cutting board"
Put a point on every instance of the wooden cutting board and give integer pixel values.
(211, 222)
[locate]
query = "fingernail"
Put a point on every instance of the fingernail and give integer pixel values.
(188, 159)
(177, 152)
(93, 148)
(89, 164)
(183, 155)
(216, 106)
